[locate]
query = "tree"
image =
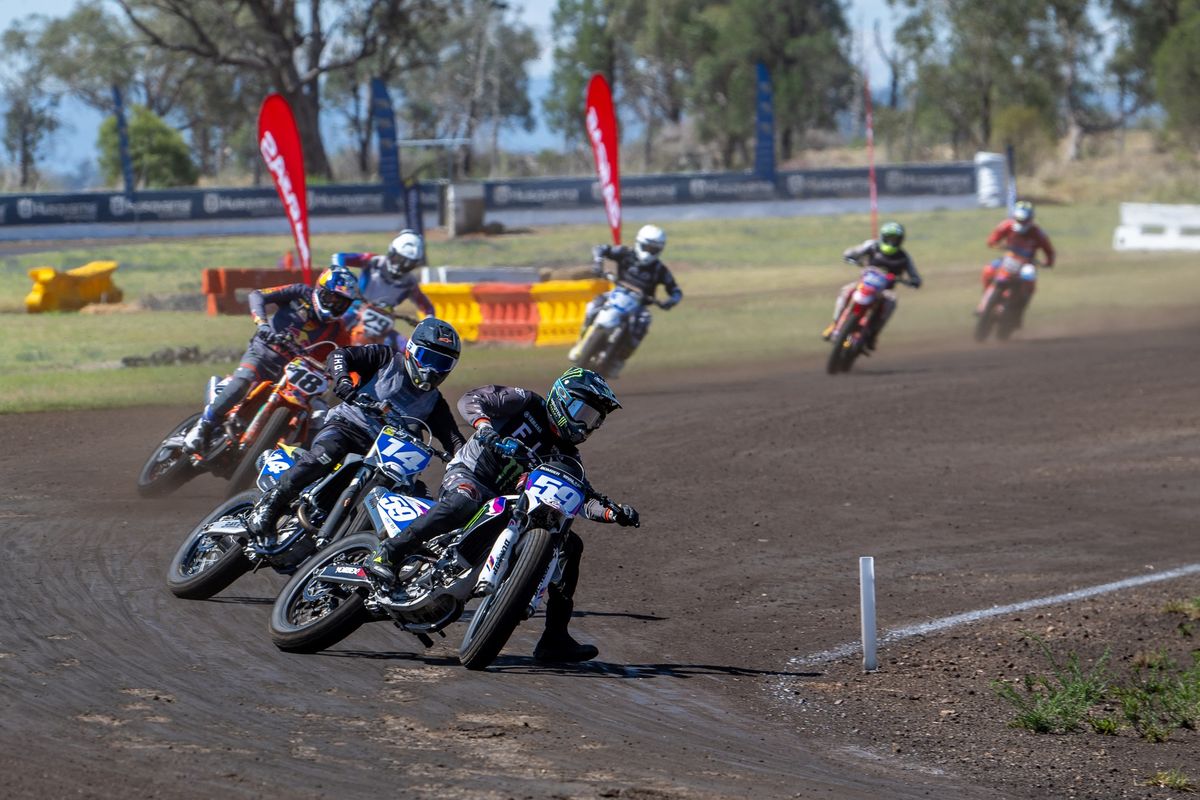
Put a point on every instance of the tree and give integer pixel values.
(31, 115)
(588, 40)
(160, 157)
(288, 45)
(1177, 73)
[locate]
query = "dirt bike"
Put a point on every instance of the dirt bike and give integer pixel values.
(374, 324)
(605, 344)
(220, 549)
(331, 595)
(853, 327)
(283, 409)
(1005, 297)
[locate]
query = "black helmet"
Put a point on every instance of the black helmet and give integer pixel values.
(432, 351)
(578, 402)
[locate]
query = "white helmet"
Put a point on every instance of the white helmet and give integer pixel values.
(650, 242)
(405, 253)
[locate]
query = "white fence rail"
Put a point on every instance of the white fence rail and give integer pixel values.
(1155, 226)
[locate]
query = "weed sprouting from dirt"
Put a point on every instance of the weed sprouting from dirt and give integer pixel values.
(1158, 698)
(1172, 779)
(1189, 608)
(1059, 702)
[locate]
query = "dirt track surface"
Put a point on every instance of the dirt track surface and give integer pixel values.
(975, 478)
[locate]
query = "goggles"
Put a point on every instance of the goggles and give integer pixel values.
(335, 303)
(590, 418)
(653, 248)
(431, 359)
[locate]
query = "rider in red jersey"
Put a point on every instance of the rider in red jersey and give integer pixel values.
(1020, 235)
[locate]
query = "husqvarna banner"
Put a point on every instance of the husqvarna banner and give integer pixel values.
(601, 122)
(385, 132)
(279, 143)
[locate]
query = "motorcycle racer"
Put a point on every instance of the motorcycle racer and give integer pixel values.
(638, 268)
(388, 280)
(506, 418)
(304, 315)
(1022, 236)
(406, 381)
(885, 253)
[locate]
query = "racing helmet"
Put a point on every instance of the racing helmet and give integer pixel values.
(432, 351)
(405, 253)
(578, 402)
(651, 240)
(333, 293)
(1022, 216)
(891, 236)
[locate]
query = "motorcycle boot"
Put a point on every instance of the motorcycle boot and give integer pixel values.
(197, 437)
(388, 555)
(827, 334)
(557, 645)
(260, 522)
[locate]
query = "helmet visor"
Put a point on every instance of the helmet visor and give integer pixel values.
(333, 302)
(587, 416)
(431, 359)
(651, 247)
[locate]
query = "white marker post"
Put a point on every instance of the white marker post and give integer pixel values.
(866, 581)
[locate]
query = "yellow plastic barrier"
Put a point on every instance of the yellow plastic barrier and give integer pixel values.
(455, 303)
(561, 306)
(73, 289)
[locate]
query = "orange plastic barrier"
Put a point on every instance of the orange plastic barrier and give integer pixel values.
(561, 306)
(508, 313)
(455, 303)
(73, 289)
(227, 288)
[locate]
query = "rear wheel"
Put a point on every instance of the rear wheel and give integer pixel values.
(501, 612)
(247, 469)
(168, 467)
(205, 565)
(310, 614)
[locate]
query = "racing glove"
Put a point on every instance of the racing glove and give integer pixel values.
(626, 516)
(264, 332)
(345, 388)
(282, 339)
(486, 435)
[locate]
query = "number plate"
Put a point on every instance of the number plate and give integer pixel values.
(374, 323)
(623, 301)
(553, 491)
(400, 454)
(304, 379)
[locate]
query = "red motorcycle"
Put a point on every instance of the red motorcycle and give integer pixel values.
(373, 324)
(1005, 297)
(854, 326)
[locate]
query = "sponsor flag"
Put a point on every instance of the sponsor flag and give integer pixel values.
(279, 144)
(389, 155)
(123, 142)
(764, 126)
(601, 121)
(874, 187)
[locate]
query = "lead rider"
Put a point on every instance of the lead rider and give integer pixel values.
(506, 419)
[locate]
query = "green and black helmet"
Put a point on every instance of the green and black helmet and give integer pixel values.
(891, 236)
(578, 402)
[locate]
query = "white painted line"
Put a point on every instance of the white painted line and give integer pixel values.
(934, 626)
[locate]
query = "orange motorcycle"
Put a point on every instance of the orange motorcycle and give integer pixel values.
(283, 410)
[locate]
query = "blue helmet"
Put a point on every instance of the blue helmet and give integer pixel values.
(333, 293)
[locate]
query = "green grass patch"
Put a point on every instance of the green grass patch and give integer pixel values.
(1060, 701)
(776, 278)
(1172, 779)
(1189, 608)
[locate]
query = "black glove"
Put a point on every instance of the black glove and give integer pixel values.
(281, 339)
(345, 389)
(626, 516)
(264, 332)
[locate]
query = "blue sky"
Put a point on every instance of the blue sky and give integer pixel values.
(75, 141)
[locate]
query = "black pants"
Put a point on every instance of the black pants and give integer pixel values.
(334, 442)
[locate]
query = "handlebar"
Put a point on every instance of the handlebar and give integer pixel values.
(390, 416)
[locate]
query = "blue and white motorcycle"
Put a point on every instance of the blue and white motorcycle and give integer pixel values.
(607, 342)
(220, 548)
(508, 554)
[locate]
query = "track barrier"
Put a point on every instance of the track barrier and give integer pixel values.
(508, 311)
(226, 289)
(455, 303)
(561, 306)
(71, 290)
(1157, 226)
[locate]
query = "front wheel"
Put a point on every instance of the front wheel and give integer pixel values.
(983, 326)
(243, 477)
(310, 614)
(839, 357)
(501, 612)
(204, 565)
(589, 346)
(168, 467)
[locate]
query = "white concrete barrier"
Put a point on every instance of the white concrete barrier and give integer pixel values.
(1156, 226)
(991, 179)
